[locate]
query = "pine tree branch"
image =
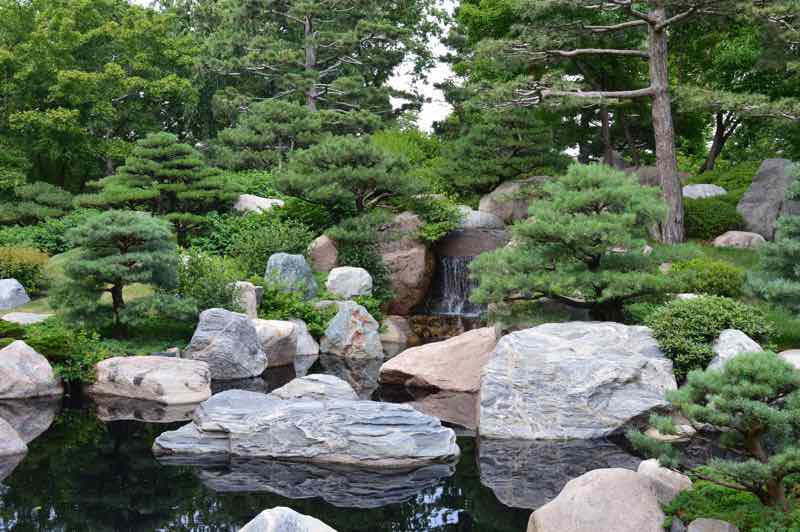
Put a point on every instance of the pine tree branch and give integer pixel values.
(636, 93)
(594, 51)
(677, 18)
(615, 27)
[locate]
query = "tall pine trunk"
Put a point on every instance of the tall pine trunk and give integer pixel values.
(666, 161)
(723, 130)
(310, 62)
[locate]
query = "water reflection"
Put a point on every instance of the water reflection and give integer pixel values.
(360, 373)
(124, 409)
(453, 408)
(30, 417)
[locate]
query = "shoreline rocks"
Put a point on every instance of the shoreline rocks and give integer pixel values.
(24, 373)
(281, 519)
(317, 387)
(278, 340)
(352, 333)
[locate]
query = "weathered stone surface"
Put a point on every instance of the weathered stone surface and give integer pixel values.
(352, 333)
(603, 499)
(344, 487)
(293, 273)
(248, 424)
(316, 387)
(471, 242)
(529, 474)
(472, 219)
(667, 484)
(711, 525)
(792, 356)
(245, 294)
(572, 380)
(228, 341)
(323, 254)
(12, 294)
(110, 408)
(397, 336)
(703, 191)
(30, 417)
(453, 365)
(730, 343)
(765, 201)
(25, 318)
(280, 519)
(508, 201)
(348, 282)
(456, 408)
(278, 340)
(408, 260)
(739, 239)
(306, 345)
(169, 381)
(12, 449)
(360, 373)
(25, 373)
(251, 203)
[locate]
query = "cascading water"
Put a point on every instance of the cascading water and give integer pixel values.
(452, 287)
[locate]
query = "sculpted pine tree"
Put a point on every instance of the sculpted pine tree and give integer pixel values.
(166, 178)
(35, 202)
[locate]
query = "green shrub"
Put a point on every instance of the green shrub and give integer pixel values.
(207, 280)
(707, 218)
(735, 178)
(440, 216)
(737, 507)
(278, 304)
(712, 277)
(686, 329)
(638, 313)
(26, 265)
(48, 236)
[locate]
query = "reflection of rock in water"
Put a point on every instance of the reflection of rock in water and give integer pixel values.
(529, 474)
(122, 408)
(343, 487)
(271, 379)
(8, 464)
(360, 373)
(30, 417)
(455, 408)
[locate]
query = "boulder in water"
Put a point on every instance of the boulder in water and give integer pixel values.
(278, 340)
(352, 333)
(24, 373)
(316, 388)
(280, 519)
(396, 335)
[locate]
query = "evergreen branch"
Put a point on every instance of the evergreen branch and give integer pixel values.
(615, 27)
(585, 51)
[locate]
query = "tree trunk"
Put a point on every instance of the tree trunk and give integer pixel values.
(584, 155)
(666, 161)
(310, 63)
(117, 303)
(725, 127)
(605, 134)
(626, 129)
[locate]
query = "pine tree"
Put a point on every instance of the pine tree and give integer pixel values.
(166, 178)
(348, 175)
(35, 202)
(116, 249)
(755, 401)
(583, 245)
(778, 276)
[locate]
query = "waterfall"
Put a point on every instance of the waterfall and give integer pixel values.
(451, 288)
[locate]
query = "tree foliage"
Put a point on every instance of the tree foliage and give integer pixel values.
(34, 202)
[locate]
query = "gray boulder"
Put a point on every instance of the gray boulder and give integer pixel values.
(711, 525)
(316, 388)
(572, 380)
(601, 500)
(739, 239)
(246, 295)
(472, 219)
(666, 483)
(163, 380)
(25, 318)
(509, 201)
(363, 433)
(348, 282)
(730, 343)
(229, 343)
(280, 519)
(703, 191)
(248, 203)
(765, 201)
(352, 333)
(792, 356)
(306, 345)
(278, 340)
(12, 294)
(24, 373)
(293, 273)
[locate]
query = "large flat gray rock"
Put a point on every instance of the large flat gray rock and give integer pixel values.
(577, 380)
(12, 294)
(364, 433)
(316, 387)
(765, 201)
(24, 373)
(25, 318)
(229, 343)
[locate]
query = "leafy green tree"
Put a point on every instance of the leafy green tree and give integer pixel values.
(166, 178)
(777, 278)
(117, 249)
(14, 167)
(583, 245)
(755, 399)
(35, 202)
(349, 175)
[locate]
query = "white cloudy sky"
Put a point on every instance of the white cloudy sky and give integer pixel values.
(435, 108)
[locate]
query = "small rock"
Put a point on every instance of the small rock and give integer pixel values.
(703, 191)
(316, 387)
(711, 525)
(228, 341)
(12, 294)
(792, 356)
(25, 318)
(280, 519)
(686, 296)
(25, 373)
(278, 340)
(739, 239)
(323, 254)
(292, 273)
(348, 282)
(730, 343)
(397, 335)
(509, 201)
(352, 333)
(245, 294)
(251, 203)
(667, 484)
(472, 219)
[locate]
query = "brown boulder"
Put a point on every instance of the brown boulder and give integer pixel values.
(408, 261)
(323, 254)
(508, 201)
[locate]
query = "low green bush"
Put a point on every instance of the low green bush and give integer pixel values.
(24, 264)
(707, 218)
(686, 329)
(279, 304)
(711, 277)
(49, 235)
(207, 280)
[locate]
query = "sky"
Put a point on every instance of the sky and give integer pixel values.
(435, 108)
